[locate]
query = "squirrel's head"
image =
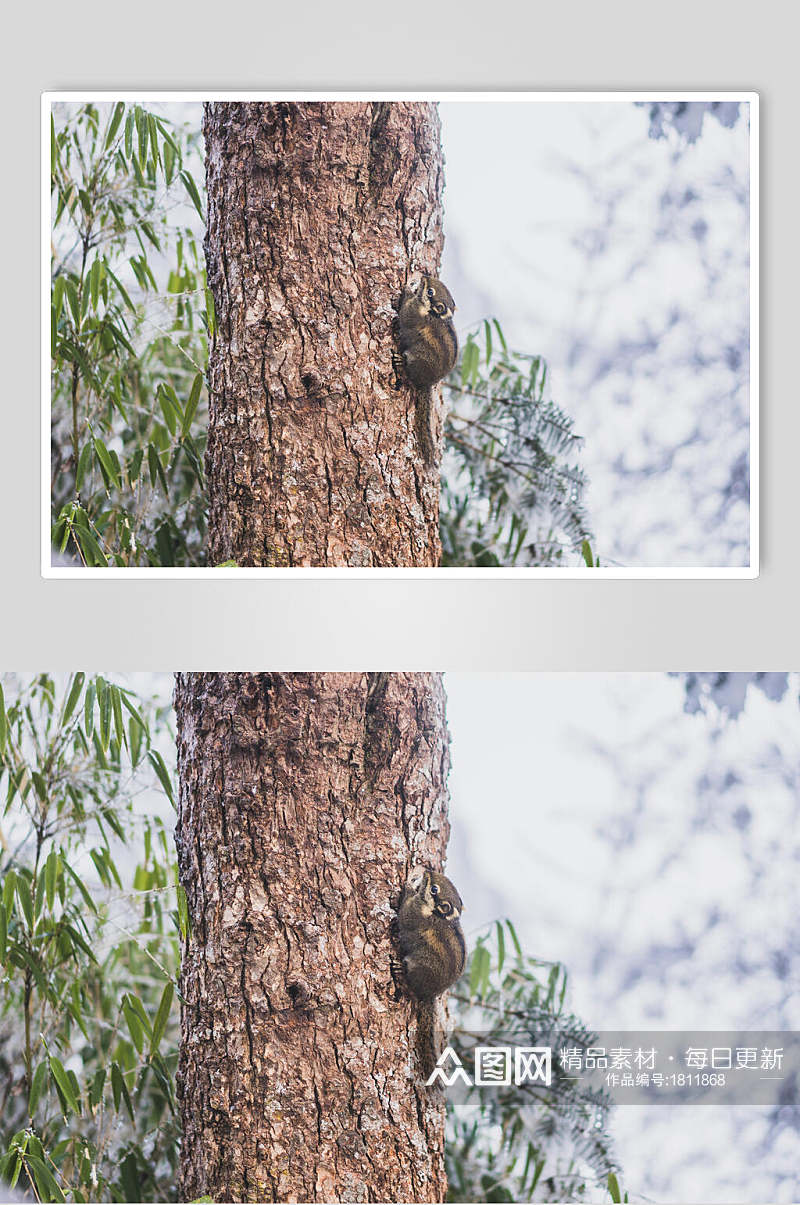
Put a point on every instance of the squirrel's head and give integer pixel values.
(436, 894)
(435, 297)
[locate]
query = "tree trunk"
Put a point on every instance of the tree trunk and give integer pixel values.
(317, 215)
(304, 801)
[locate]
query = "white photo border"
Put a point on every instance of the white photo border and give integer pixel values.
(49, 570)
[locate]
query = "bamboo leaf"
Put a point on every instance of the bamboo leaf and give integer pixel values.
(501, 947)
(64, 1084)
(50, 872)
(479, 971)
(162, 1017)
(87, 899)
(191, 405)
(500, 335)
(134, 1024)
(73, 696)
(157, 762)
(513, 933)
(120, 1090)
(37, 1087)
(25, 897)
(96, 1087)
(183, 912)
(106, 463)
(46, 1185)
(191, 188)
(88, 708)
(114, 124)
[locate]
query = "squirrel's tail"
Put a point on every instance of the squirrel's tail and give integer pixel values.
(425, 418)
(426, 1047)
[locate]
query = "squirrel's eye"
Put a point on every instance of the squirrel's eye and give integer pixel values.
(430, 292)
(434, 889)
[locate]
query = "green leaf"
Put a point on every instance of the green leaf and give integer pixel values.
(142, 131)
(191, 188)
(156, 468)
(110, 471)
(500, 335)
(501, 947)
(130, 1178)
(153, 132)
(96, 1087)
(64, 1084)
(191, 405)
(513, 933)
(37, 1087)
(58, 297)
(39, 901)
(134, 1024)
(100, 866)
(211, 313)
(586, 553)
(114, 124)
(614, 1189)
(51, 868)
(88, 708)
(89, 546)
(87, 899)
(183, 912)
(157, 762)
(167, 401)
(104, 712)
(9, 887)
(84, 461)
(3, 722)
(94, 282)
(71, 290)
(168, 150)
(117, 1084)
(162, 1017)
(25, 897)
(73, 696)
(469, 358)
(116, 707)
(46, 1185)
(479, 971)
(122, 291)
(3, 934)
(14, 1176)
(120, 1090)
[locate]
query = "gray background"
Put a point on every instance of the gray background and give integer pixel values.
(328, 624)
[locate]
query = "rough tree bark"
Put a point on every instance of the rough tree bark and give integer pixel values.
(304, 801)
(318, 213)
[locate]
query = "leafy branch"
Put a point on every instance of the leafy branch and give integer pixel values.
(511, 485)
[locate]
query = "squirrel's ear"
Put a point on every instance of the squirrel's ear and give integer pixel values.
(417, 877)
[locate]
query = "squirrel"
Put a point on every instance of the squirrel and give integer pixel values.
(432, 949)
(428, 347)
